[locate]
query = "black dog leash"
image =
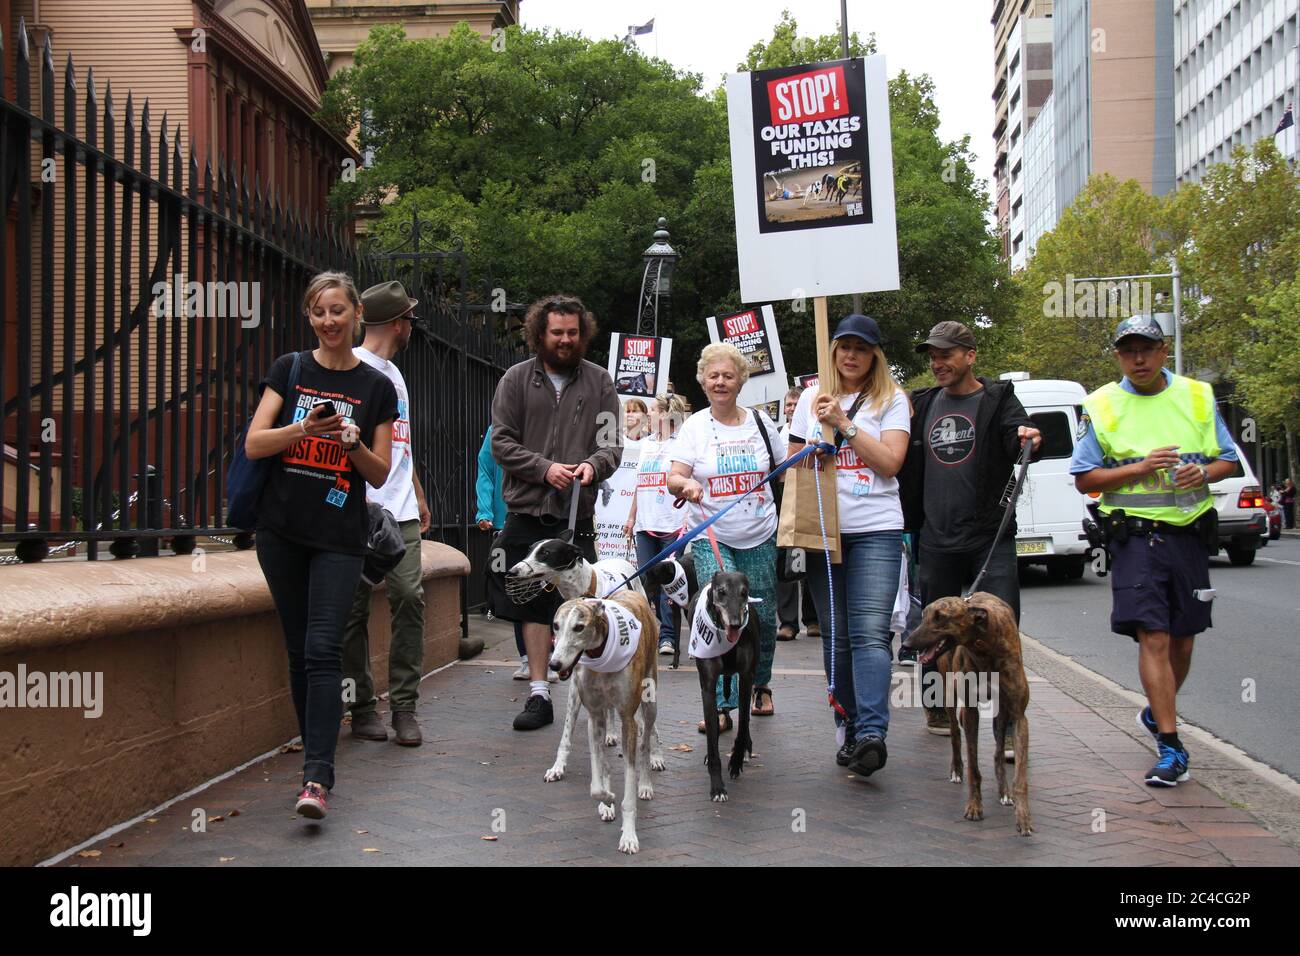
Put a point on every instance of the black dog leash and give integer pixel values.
(1009, 503)
(573, 507)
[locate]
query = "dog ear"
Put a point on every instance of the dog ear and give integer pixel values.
(980, 618)
(566, 535)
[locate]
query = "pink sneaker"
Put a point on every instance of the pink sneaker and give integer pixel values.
(311, 802)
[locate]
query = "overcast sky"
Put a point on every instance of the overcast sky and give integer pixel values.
(952, 40)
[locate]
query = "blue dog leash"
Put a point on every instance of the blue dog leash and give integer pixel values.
(680, 543)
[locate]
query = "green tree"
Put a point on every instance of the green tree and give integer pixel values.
(1062, 330)
(1267, 370)
(548, 156)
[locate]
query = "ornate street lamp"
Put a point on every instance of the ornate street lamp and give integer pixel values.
(657, 281)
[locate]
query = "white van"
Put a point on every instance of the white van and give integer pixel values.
(1050, 512)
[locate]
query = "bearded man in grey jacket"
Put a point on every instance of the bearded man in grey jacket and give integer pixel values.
(555, 421)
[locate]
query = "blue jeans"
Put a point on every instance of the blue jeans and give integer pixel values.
(866, 585)
(312, 591)
(647, 546)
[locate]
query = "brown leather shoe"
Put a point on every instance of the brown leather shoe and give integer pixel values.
(368, 727)
(408, 731)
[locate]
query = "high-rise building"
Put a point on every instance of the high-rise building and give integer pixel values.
(1112, 82)
(1029, 84)
(1040, 180)
(1235, 75)
(1007, 14)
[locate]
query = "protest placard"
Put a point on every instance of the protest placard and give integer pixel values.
(638, 364)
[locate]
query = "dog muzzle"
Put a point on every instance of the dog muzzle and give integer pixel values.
(521, 590)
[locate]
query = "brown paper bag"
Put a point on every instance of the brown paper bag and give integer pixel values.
(800, 524)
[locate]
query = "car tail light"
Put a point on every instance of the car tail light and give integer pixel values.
(1250, 497)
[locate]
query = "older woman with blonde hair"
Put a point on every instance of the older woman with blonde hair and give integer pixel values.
(870, 414)
(721, 453)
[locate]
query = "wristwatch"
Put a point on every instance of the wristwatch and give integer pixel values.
(1205, 474)
(850, 432)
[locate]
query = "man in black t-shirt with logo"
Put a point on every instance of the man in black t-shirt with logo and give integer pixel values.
(966, 437)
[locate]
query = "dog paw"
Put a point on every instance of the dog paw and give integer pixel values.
(736, 765)
(1006, 800)
(657, 762)
(645, 791)
(554, 774)
(974, 811)
(628, 843)
(718, 794)
(954, 777)
(1024, 827)
(606, 811)
(611, 740)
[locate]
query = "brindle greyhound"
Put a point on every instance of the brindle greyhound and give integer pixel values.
(972, 641)
(726, 603)
(583, 630)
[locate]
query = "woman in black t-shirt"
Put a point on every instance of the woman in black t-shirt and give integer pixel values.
(311, 538)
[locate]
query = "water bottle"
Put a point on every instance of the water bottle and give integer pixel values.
(1185, 499)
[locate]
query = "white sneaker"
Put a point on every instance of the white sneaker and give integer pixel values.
(522, 673)
(665, 649)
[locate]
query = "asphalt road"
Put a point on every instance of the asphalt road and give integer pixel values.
(1256, 637)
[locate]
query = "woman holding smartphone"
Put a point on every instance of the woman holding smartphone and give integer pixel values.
(312, 523)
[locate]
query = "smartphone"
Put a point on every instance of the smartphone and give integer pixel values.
(326, 409)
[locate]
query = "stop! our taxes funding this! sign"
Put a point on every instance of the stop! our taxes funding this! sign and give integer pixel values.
(813, 180)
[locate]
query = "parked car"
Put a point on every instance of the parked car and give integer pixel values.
(1242, 518)
(1050, 512)
(1274, 512)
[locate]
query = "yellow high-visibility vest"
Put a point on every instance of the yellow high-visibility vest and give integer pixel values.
(1128, 426)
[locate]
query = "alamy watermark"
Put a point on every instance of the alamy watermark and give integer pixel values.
(211, 300)
(57, 689)
(1096, 298)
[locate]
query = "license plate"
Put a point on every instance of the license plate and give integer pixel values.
(1037, 546)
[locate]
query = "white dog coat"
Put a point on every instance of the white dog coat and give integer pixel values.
(707, 639)
(621, 641)
(676, 588)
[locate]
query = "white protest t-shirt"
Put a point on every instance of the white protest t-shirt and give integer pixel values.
(707, 639)
(677, 589)
(621, 642)
(867, 502)
(654, 505)
(729, 460)
(398, 493)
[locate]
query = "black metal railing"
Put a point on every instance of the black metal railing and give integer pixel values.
(121, 404)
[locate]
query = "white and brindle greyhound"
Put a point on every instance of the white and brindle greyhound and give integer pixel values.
(609, 647)
(558, 563)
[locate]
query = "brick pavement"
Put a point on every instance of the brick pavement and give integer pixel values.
(434, 805)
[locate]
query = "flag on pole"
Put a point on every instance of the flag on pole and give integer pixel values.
(635, 31)
(1288, 120)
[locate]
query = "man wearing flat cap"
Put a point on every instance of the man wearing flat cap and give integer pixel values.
(967, 434)
(1152, 444)
(388, 315)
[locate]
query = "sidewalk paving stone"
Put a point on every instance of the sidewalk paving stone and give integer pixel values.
(475, 777)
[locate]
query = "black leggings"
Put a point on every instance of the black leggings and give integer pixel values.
(313, 591)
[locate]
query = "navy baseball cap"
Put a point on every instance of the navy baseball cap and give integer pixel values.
(1141, 325)
(863, 326)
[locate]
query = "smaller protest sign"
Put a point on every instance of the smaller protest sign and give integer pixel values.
(638, 364)
(754, 333)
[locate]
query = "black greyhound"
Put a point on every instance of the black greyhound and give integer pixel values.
(659, 577)
(727, 610)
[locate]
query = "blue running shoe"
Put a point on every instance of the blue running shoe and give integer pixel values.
(1170, 770)
(1148, 723)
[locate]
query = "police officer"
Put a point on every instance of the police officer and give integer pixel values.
(1152, 444)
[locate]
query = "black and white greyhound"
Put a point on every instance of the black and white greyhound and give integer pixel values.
(724, 642)
(558, 563)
